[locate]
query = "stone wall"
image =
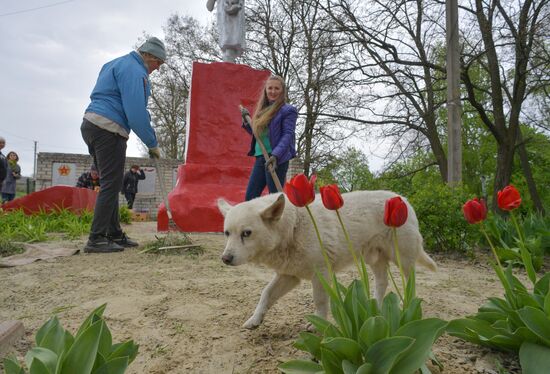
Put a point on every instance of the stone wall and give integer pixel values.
(143, 203)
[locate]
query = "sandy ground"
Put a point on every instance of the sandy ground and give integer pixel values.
(186, 312)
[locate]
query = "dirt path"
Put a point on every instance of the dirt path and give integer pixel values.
(186, 313)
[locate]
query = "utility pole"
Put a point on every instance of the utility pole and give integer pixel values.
(454, 121)
(34, 166)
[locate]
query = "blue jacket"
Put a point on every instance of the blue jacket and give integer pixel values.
(282, 129)
(121, 93)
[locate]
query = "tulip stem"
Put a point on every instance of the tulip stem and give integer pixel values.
(348, 240)
(395, 285)
(323, 251)
(514, 220)
(398, 257)
(491, 245)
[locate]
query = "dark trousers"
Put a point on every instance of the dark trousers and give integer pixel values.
(109, 153)
(130, 197)
(260, 177)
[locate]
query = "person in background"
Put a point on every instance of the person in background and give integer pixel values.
(13, 172)
(89, 179)
(3, 162)
(118, 106)
(274, 122)
(130, 184)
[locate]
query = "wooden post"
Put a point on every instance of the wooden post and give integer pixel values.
(454, 122)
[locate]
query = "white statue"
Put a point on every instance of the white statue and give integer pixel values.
(230, 19)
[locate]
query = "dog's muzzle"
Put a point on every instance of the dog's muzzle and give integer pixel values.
(227, 259)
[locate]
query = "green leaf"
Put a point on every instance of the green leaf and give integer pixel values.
(128, 348)
(373, 330)
(528, 263)
(38, 367)
(94, 316)
(537, 322)
(413, 311)
(348, 367)
(366, 368)
(309, 342)
(542, 287)
(300, 367)
(43, 330)
(331, 363)
(425, 332)
(115, 366)
(391, 311)
(46, 357)
(534, 358)
(105, 342)
(11, 366)
(319, 323)
(384, 353)
(53, 338)
(80, 358)
(547, 305)
(343, 348)
(410, 291)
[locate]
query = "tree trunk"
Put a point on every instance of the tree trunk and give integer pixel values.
(524, 161)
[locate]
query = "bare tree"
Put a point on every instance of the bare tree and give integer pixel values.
(509, 31)
(186, 41)
(287, 38)
(397, 56)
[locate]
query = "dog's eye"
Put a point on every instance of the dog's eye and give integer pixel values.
(246, 233)
(226, 233)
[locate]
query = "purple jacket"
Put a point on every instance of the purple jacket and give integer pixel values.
(282, 136)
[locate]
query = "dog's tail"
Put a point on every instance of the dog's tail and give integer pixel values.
(425, 260)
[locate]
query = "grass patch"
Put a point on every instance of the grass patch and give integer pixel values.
(173, 243)
(8, 248)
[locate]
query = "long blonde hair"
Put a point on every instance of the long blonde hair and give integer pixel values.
(263, 113)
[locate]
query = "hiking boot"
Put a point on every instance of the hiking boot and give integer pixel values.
(102, 245)
(124, 240)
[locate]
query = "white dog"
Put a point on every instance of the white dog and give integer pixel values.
(270, 230)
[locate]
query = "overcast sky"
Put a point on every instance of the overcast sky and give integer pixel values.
(52, 51)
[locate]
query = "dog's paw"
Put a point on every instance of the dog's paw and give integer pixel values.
(252, 323)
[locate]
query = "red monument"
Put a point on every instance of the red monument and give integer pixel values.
(216, 162)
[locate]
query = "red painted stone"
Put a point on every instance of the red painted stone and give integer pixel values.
(54, 199)
(217, 165)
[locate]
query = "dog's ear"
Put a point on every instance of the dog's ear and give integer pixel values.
(224, 206)
(275, 210)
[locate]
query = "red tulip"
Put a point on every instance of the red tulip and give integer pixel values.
(332, 199)
(395, 213)
(508, 198)
(300, 191)
(475, 210)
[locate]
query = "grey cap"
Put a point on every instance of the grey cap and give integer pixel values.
(155, 47)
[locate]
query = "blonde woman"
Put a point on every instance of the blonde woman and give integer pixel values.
(274, 121)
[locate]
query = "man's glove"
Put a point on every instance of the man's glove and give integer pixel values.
(154, 152)
(245, 114)
(271, 162)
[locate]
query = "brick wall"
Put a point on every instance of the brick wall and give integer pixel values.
(144, 203)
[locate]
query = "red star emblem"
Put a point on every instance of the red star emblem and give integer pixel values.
(64, 170)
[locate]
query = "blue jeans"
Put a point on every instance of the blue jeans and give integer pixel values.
(260, 177)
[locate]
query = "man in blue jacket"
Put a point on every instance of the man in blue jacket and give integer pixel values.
(118, 106)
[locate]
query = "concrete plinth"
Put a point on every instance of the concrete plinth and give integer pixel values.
(217, 165)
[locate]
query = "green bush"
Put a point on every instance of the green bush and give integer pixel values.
(90, 351)
(125, 215)
(536, 231)
(439, 212)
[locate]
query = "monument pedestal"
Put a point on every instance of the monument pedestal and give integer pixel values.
(216, 163)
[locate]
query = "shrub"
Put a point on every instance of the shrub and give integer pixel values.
(438, 208)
